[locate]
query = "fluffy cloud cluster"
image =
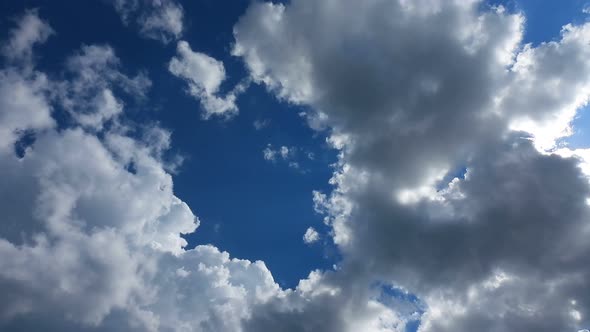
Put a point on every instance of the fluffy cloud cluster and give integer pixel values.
(156, 19)
(411, 92)
(90, 232)
(204, 76)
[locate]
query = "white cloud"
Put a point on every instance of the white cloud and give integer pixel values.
(204, 76)
(311, 235)
(157, 19)
(31, 30)
(165, 23)
(22, 105)
(284, 153)
(269, 154)
(90, 236)
(261, 124)
(202, 70)
(214, 293)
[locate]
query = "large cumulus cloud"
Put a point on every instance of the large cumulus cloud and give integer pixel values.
(90, 232)
(411, 93)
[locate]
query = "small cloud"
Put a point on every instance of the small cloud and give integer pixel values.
(261, 124)
(284, 152)
(204, 75)
(294, 164)
(269, 154)
(311, 236)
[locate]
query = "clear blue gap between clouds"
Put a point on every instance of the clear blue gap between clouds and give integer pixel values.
(580, 139)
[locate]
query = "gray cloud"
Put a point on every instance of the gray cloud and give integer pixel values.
(411, 92)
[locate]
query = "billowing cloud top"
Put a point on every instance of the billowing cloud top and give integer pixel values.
(452, 205)
(90, 232)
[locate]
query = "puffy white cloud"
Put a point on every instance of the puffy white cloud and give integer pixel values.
(410, 93)
(284, 152)
(157, 19)
(269, 153)
(204, 76)
(311, 235)
(218, 291)
(91, 231)
(554, 91)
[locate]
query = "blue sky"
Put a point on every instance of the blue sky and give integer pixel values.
(258, 208)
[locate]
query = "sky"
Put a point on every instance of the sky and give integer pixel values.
(237, 165)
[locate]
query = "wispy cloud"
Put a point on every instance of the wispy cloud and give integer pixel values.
(156, 19)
